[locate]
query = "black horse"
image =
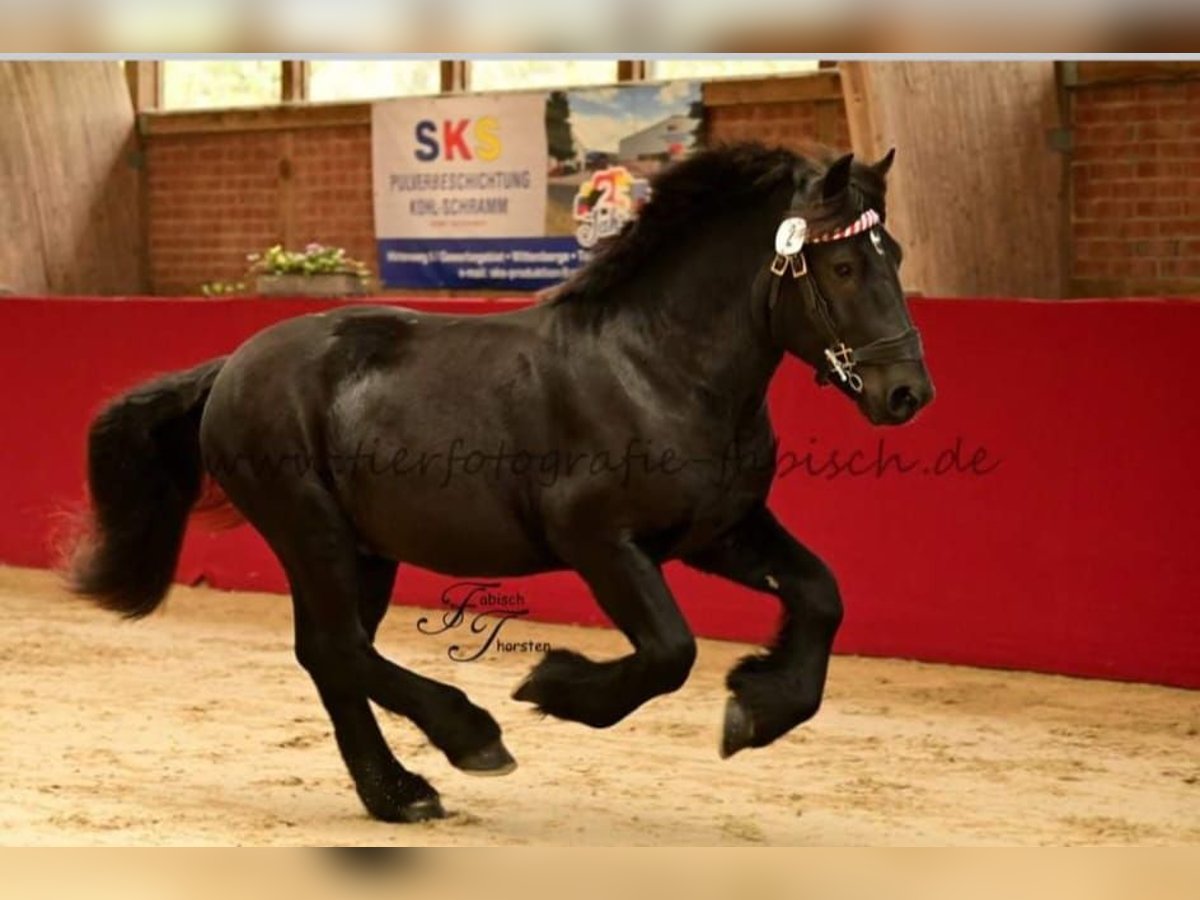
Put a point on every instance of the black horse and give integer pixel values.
(357, 439)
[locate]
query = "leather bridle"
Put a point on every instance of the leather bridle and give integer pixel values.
(841, 360)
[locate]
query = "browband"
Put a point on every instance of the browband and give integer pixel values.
(865, 222)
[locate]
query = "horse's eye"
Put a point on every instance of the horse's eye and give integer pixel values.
(843, 270)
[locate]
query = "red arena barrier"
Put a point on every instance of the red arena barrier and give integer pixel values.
(1039, 515)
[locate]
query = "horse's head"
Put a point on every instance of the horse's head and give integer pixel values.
(835, 295)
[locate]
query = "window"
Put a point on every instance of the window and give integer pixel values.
(667, 69)
(202, 84)
(219, 83)
(516, 74)
(365, 79)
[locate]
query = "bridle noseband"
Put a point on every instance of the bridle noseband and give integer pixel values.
(840, 358)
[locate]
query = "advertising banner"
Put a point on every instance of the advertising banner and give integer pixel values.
(511, 191)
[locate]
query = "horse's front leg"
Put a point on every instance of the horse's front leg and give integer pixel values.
(630, 589)
(776, 691)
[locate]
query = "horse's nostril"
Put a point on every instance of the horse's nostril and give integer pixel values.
(902, 401)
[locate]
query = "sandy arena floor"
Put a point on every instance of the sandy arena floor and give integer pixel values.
(197, 727)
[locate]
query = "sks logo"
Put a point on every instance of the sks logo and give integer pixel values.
(462, 139)
(605, 202)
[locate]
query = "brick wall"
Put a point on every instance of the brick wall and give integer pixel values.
(797, 124)
(214, 197)
(221, 185)
(217, 193)
(1135, 188)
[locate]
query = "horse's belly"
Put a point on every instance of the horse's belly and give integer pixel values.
(447, 531)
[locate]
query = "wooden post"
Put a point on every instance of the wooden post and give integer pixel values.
(976, 195)
(632, 70)
(455, 75)
(295, 80)
(82, 233)
(144, 78)
(860, 114)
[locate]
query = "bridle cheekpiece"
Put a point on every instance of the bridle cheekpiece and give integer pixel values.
(790, 239)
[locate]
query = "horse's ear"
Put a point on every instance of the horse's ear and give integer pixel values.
(881, 168)
(837, 177)
(801, 178)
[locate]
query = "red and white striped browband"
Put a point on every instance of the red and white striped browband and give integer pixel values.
(867, 220)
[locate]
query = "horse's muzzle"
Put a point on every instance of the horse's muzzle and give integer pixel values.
(895, 401)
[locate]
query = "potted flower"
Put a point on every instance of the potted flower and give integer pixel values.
(316, 271)
(223, 288)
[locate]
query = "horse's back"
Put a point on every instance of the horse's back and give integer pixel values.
(329, 350)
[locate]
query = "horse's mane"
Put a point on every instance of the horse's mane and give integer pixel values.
(700, 186)
(708, 183)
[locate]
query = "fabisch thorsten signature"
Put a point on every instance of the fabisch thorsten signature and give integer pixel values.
(483, 608)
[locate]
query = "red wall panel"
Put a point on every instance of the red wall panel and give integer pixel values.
(1069, 548)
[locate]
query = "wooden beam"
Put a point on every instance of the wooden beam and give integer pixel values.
(145, 84)
(1082, 288)
(455, 74)
(295, 78)
(861, 117)
(632, 70)
(260, 118)
(1102, 71)
(820, 85)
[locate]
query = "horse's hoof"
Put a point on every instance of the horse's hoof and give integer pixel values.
(738, 732)
(525, 692)
(492, 760)
(407, 798)
(421, 810)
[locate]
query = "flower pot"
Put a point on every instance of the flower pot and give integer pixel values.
(336, 284)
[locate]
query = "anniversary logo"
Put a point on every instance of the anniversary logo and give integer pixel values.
(512, 191)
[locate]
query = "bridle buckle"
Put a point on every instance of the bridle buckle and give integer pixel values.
(797, 263)
(841, 361)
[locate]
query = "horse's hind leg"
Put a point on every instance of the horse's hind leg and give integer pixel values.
(776, 691)
(329, 639)
(388, 790)
(335, 588)
(467, 734)
(630, 589)
(376, 575)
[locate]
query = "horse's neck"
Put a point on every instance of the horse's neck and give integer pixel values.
(702, 329)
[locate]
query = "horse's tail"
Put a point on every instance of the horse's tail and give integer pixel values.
(144, 475)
